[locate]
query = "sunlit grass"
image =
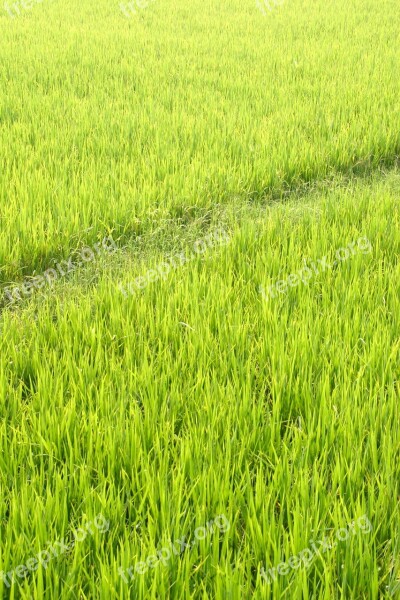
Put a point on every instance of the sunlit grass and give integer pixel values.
(109, 121)
(196, 398)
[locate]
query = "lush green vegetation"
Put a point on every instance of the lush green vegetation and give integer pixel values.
(114, 122)
(196, 400)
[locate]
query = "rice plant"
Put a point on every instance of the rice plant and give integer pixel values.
(209, 410)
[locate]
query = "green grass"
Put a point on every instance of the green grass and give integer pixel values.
(283, 416)
(196, 397)
(114, 122)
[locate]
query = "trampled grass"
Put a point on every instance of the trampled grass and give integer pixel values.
(196, 398)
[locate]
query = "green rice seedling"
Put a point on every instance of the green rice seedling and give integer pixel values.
(196, 398)
(128, 120)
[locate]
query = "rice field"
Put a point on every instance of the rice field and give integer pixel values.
(199, 280)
